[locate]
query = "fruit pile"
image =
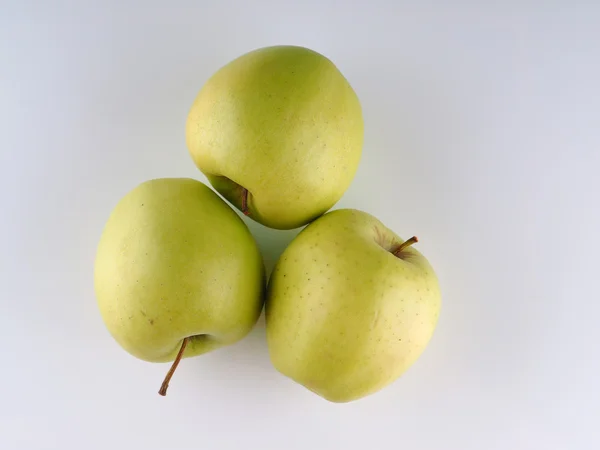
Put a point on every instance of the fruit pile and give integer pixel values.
(349, 306)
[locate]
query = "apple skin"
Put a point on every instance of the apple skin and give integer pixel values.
(283, 123)
(175, 261)
(345, 316)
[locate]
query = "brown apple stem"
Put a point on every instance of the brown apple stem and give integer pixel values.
(405, 244)
(165, 383)
(245, 202)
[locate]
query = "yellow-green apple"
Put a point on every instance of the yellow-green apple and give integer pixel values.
(350, 306)
(177, 272)
(278, 132)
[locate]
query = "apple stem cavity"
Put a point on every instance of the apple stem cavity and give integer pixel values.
(245, 202)
(404, 245)
(165, 383)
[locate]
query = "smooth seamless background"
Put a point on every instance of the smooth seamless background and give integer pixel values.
(482, 137)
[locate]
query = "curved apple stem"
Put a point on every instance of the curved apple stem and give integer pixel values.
(405, 244)
(165, 383)
(245, 202)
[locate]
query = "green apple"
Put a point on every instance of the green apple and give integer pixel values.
(177, 272)
(350, 306)
(279, 133)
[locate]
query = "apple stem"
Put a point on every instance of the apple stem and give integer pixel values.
(165, 383)
(245, 202)
(405, 244)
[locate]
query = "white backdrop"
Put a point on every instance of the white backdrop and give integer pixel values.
(482, 138)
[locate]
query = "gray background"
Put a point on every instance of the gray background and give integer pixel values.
(482, 138)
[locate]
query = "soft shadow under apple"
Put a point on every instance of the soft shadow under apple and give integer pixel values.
(271, 242)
